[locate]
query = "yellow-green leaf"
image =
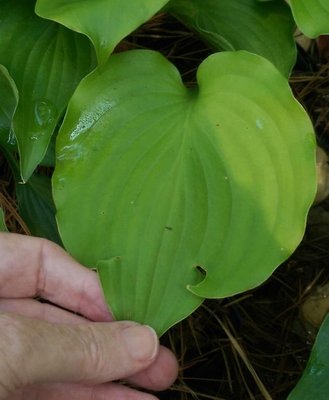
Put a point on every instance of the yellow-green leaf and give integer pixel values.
(105, 22)
(312, 16)
(155, 183)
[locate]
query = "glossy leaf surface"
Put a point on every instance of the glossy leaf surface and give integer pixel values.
(264, 28)
(105, 22)
(314, 383)
(153, 180)
(8, 104)
(3, 227)
(312, 16)
(36, 206)
(46, 62)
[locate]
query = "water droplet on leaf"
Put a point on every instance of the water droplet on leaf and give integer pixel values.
(259, 124)
(44, 113)
(89, 118)
(12, 138)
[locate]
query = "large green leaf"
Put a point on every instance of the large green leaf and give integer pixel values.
(37, 208)
(264, 28)
(3, 227)
(314, 383)
(312, 16)
(46, 61)
(8, 104)
(154, 180)
(105, 22)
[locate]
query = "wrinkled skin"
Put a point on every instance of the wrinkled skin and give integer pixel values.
(48, 352)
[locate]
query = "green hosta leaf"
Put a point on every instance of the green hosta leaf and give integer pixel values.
(314, 383)
(36, 206)
(105, 22)
(3, 227)
(264, 28)
(153, 180)
(312, 16)
(46, 61)
(50, 157)
(8, 104)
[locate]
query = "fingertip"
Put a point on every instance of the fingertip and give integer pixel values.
(141, 342)
(160, 375)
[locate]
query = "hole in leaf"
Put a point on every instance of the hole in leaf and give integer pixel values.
(201, 270)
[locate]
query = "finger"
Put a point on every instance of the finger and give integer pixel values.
(89, 353)
(34, 309)
(109, 391)
(32, 267)
(160, 375)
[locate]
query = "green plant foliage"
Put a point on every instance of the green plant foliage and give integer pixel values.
(46, 62)
(153, 180)
(8, 104)
(50, 156)
(264, 28)
(312, 16)
(314, 383)
(3, 227)
(105, 22)
(37, 208)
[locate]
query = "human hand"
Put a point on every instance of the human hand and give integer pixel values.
(49, 353)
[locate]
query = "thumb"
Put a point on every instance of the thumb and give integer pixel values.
(34, 351)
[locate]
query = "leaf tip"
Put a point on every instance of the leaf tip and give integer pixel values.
(103, 50)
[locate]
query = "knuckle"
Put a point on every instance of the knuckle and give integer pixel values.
(93, 354)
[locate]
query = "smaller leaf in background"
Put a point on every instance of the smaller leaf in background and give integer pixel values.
(37, 208)
(264, 28)
(105, 22)
(47, 61)
(8, 104)
(3, 227)
(312, 16)
(314, 383)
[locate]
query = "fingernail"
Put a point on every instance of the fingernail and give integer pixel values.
(141, 341)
